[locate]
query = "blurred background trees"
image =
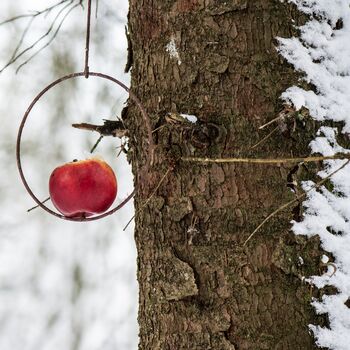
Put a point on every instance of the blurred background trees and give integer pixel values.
(63, 285)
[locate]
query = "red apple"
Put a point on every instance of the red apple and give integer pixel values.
(83, 188)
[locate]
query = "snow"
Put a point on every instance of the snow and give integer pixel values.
(326, 142)
(322, 54)
(191, 118)
(172, 50)
(325, 259)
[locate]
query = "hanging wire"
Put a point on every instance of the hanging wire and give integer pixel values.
(87, 46)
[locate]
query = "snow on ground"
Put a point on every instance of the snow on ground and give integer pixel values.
(322, 53)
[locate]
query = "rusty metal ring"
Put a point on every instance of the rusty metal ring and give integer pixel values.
(25, 117)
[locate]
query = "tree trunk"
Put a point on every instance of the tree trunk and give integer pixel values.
(200, 286)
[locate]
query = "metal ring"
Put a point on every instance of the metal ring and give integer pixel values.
(25, 117)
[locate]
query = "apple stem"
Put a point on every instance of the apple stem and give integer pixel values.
(37, 206)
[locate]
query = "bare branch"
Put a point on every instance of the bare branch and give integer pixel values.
(266, 160)
(34, 14)
(64, 8)
(296, 199)
(264, 138)
(114, 128)
(51, 39)
(37, 206)
(96, 144)
(26, 29)
(38, 40)
(152, 194)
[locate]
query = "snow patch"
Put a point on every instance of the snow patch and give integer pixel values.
(322, 54)
(172, 50)
(191, 118)
(324, 259)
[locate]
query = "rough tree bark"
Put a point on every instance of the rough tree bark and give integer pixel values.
(200, 287)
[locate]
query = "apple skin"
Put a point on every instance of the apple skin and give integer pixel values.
(83, 188)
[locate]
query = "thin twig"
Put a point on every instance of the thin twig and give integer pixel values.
(115, 128)
(281, 116)
(334, 268)
(264, 138)
(14, 58)
(159, 128)
(150, 197)
(286, 112)
(51, 39)
(24, 34)
(129, 222)
(296, 199)
(96, 144)
(266, 160)
(157, 187)
(37, 206)
(34, 14)
(17, 53)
